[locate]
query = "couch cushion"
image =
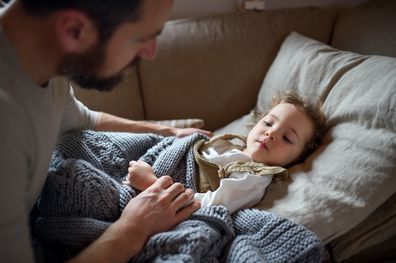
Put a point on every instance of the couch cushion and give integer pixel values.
(206, 67)
(370, 234)
(352, 173)
(124, 101)
(369, 28)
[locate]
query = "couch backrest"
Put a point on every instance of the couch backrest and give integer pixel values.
(370, 29)
(212, 68)
(208, 68)
(124, 101)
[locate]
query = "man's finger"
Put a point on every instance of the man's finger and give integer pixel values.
(164, 182)
(186, 211)
(183, 199)
(175, 190)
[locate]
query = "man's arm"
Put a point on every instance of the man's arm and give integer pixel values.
(108, 122)
(159, 208)
(78, 116)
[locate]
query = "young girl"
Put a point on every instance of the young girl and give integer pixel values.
(235, 175)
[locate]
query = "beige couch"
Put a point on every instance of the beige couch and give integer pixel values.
(213, 69)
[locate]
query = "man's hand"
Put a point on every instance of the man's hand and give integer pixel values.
(159, 208)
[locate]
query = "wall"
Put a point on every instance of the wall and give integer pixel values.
(191, 8)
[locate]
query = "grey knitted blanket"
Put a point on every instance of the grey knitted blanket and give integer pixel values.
(83, 195)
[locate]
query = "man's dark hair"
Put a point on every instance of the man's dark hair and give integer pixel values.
(106, 14)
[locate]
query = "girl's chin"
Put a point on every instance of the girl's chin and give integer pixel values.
(258, 159)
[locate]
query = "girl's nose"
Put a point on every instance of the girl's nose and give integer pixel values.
(270, 134)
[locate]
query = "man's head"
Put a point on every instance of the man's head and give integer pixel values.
(107, 15)
(98, 39)
(285, 135)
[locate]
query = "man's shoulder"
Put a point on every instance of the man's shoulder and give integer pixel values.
(10, 109)
(61, 88)
(8, 105)
(60, 82)
(14, 124)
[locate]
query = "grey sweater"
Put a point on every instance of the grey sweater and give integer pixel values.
(31, 119)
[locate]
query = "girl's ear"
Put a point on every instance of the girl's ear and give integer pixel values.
(74, 31)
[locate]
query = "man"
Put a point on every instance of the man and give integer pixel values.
(91, 42)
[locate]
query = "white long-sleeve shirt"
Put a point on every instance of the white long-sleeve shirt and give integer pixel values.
(31, 119)
(239, 190)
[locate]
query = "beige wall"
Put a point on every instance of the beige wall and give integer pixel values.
(191, 8)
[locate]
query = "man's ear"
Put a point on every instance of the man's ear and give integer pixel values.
(75, 31)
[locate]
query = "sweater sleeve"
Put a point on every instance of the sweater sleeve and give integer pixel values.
(236, 192)
(76, 115)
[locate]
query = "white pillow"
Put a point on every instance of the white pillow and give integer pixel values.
(352, 173)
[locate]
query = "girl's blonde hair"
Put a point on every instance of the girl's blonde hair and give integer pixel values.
(314, 112)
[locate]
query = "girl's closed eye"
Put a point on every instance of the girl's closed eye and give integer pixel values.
(267, 124)
(287, 139)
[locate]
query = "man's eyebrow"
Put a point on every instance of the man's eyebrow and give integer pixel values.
(151, 36)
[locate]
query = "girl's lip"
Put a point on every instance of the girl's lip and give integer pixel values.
(263, 145)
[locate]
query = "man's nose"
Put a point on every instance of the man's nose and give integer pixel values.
(149, 50)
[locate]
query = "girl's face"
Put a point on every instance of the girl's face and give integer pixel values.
(280, 136)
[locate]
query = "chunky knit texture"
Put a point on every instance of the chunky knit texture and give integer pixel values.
(250, 235)
(83, 195)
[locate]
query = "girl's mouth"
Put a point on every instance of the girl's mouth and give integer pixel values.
(263, 145)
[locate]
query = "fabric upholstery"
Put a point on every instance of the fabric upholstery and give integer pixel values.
(351, 174)
(367, 29)
(213, 65)
(124, 101)
(376, 228)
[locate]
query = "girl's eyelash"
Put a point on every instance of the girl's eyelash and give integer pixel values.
(287, 140)
(267, 123)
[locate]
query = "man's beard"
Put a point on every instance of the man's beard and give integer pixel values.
(83, 69)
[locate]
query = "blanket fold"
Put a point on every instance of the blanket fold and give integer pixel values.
(83, 195)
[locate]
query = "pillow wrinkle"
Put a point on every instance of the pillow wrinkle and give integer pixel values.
(351, 175)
